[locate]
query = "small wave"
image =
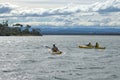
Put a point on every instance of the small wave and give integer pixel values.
(8, 71)
(51, 57)
(78, 74)
(114, 76)
(56, 57)
(81, 68)
(70, 74)
(29, 61)
(96, 67)
(60, 78)
(108, 56)
(63, 71)
(45, 71)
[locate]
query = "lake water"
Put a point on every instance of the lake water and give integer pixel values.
(28, 58)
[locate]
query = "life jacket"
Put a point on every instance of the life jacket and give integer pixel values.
(54, 49)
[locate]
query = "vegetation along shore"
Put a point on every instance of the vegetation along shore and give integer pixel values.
(18, 30)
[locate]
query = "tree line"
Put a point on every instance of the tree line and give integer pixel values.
(18, 30)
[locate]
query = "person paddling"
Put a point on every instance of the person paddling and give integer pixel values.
(89, 44)
(97, 45)
(55, 49)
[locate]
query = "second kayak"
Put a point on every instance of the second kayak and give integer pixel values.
(87, 47)
(91, 47)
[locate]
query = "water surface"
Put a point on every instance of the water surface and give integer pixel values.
(28, 58)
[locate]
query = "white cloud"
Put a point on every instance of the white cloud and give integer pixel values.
(39, 12)
(68, 21)
(71, 15)
(108, 6)
(42, 23)
(114, 23)
(85, 23)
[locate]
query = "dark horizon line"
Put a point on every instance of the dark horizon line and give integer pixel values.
(81, 34)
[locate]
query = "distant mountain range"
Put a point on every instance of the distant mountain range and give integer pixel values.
(80, 30)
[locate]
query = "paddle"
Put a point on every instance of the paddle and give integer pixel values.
(48, 47)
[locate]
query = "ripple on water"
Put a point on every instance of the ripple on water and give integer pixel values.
(81, 68)
(96, 67)
(59, 78)
(108, 77)
(12, 70)
(28, 61)
(26, 58)
(114, 76)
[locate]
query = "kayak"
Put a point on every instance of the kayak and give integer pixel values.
(87, 47)
(91, 47)
(99, 47)
(58, 52)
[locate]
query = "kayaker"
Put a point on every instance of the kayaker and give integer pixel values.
(55, 49)
(97, 45)
(89, 44)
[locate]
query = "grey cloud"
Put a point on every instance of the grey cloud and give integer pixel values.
(6, 7)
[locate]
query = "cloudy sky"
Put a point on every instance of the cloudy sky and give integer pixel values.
(47, 3)
(70, 13)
